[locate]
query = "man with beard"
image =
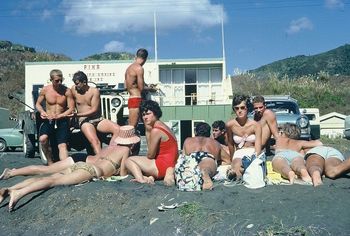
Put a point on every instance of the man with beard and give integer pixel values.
(266, 118)
(59, 104)
(87, 101)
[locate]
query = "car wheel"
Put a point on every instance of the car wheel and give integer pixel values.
(3, 145)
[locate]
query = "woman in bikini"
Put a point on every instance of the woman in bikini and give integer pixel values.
(78, 172)
(162, 152)
(243, 135)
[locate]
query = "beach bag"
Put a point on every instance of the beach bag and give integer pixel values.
(188, 176)
(254, 175)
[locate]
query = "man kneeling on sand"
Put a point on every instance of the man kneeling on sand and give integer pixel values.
(206, 151)
(79, 172)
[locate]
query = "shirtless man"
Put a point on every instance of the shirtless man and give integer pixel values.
(59, 105)
(207, 150)
(87, 101)
(266, 118)
(135, 84)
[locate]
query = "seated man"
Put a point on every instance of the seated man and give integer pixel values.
(219, 133)
(87, 100)
(206, 151)
(325, 160)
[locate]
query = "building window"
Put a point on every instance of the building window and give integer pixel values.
(216, 75)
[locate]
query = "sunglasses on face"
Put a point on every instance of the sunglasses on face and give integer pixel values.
(240, 108)
(57, 80)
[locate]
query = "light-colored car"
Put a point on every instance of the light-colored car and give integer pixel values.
(287, 110)
(11, 138)
(347, 127)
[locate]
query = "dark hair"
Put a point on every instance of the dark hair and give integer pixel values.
(149, 105)
(142, 53)
(237, 99)
(219, 124)
(258, 99)
(202, 129)
(80, 76)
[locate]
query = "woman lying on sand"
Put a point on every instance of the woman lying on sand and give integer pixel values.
(78, 172)
(325, 160)
(289, 156)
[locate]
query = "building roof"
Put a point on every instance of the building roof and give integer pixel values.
(331, 115)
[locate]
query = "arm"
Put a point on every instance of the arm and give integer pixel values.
(154, 142)
(95, 105)
(70, 105)
(38, 105)
(272, 123)
(258, 138)
(140, 79)
(229, 134)
(225, 157)
(310, 144)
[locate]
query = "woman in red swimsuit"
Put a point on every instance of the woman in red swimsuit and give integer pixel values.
(162, 148)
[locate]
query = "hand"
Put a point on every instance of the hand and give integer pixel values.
(43, 115)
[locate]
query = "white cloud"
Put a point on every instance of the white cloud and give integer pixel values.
(46, 14)
(114, 46)
(91, 16)
(334, 4)
(298, 25)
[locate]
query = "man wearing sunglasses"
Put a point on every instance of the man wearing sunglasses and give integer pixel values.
(266, 118)
(59, 104)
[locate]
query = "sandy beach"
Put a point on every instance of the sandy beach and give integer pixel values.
(126, 208)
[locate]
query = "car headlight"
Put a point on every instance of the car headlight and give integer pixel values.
(303, 122)
(116, 102)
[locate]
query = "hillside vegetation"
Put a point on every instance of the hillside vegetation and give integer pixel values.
(110, 56)
(333, 62)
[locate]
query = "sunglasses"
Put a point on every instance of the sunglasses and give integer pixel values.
(240, 108)
(256, 108)
(57, 80)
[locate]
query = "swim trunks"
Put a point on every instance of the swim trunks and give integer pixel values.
(84, 166)
(94, 120)
(134, 102)
(167, 154)
(325, 152)
(59, 128)
(288, 155)
(199, 156)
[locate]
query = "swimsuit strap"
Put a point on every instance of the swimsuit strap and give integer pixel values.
(165, 131)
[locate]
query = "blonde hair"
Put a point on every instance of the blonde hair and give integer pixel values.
(56, 72)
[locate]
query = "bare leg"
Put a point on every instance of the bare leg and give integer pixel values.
(90, 133)
(281, 166)
(315, 166)
(107, 126)
(141, 167)
(208, 169)
(63, 151)
(335, 167)
(134, 116)
(75, 177)
(38, 169)
(298, 166)
(46, 148)
(169, 179)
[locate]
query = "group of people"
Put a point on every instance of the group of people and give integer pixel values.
(222, 150)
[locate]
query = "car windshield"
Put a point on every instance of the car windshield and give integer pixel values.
(282, 107)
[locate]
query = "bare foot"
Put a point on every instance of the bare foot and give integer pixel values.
(169, 179)
(144, 180)
(316, 179)
(14, 197)
(4, 192)
(5, 174)
(207, 183)
(291, 177)
(230, 174)
(305, 176)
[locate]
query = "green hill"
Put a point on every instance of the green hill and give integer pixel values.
(333, 62)
(110, 56)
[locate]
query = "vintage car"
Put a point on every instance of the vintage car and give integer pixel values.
(347, 127)
(11, 138)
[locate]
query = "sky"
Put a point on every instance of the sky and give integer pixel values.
(256, 32)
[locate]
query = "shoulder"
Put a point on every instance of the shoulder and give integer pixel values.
(231, 122)
(268, 114)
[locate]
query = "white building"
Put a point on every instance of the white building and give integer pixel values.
(332, 124)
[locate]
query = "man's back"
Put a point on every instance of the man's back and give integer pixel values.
(134, 81)
(196, 144)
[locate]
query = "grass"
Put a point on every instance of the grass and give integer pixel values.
(341, 144)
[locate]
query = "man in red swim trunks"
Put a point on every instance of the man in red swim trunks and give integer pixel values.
(135, 84)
